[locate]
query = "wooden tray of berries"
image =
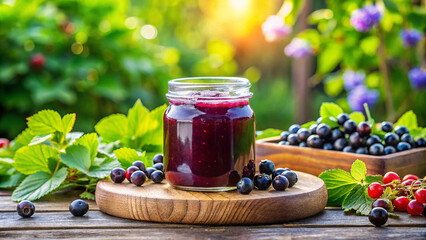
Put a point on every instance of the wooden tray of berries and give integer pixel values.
(315, 161)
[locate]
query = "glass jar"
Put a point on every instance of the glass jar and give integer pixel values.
(209, 133)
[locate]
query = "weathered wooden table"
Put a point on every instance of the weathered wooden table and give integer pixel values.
(53, 220)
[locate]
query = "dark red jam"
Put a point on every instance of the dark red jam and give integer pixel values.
(209, 144)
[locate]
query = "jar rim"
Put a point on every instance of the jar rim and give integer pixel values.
(226, 81)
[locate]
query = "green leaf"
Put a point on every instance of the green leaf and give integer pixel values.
(330, 110)
(150, 130)
(373, 178)
(91, 142)
(103, 169)
(329, 58)
(77, 156)
(391, 6)
(31, 159)
(126, 156)
(357, 117)
(68, 122)
(40, 139)
(330, 121)
(333, 85)
(87, 195)
(135, 116)
(112, 128)
(339, 183)
(418, 133)
(45, 122)
(358, 200)
(308, 124)
(358, 170)
(24, 138)
(12, 181)
(267, 133)
(39, 184)
(408, 119)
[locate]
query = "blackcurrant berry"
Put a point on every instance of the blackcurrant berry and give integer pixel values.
(350, 126)
(303, 134)
(378, 216)
(336, 134)
(376, 149)
(292, 139)
(79, 207)
(339, 144)
(314, 141)
(130, 171)
(403, 146)
(280, 183)
(387, 127)
(149, 171)
(251, 165)
(266, 166)
(262, 181)
(303, 144)
(118, 175)
(313, 128)
(284, 135)
(408, 139)
(245, 185)
(327, 146)
(283, 143)
(389, 150)
(324, 131)
(401, 130)
(355, 140)
(158, 166)
(319, 120)
(139, 165)
(278, 171)
(294, 128)
(421, 142)
(157, 176)
(372, 140)
(158, 158)
(391, 139)
(342, 118)
(348, 149)
(291, 176)
(383, 203)
(364, 129)
(138, 178)
(361, 150)
(25, 209)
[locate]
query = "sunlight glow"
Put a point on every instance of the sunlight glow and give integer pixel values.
(149, 32)
(240, 5)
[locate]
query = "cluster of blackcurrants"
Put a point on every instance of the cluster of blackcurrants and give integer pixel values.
(351, 137)
(282, 178)
(137, 173)
(410, 197)
(77, 208)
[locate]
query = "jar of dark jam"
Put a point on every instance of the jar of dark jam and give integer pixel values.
(209, 133)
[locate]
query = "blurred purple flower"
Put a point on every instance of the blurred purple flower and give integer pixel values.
(298, 48)
(410, 37)
(274, 28)
(360, 95)
(363, 19)
(353, 78)
(417, 77)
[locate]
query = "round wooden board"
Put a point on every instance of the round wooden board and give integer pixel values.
(163, 203)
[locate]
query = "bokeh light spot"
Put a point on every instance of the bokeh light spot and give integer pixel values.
(105, 26)
(81, 37)
(29, 45)
(131, 22)
(148, 31)
(76, 48)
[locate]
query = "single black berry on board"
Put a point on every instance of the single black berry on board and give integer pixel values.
(339, 144)
(284, 135)
(378, 216)
(391, 139)
(79, 207)
(327, 146)
(372, 140)
(376, 149)
(139, 164)
(291, 176)
(138, 178)
(130, 170)
(157, 176)
(361, 150)
(303, 134)
(303, 144)
(158, 166)
(278, 171)
(401, 130)
(292, 139)
(245, 185)
(389, 150)
(149, 171)
(294, 128)
(421, 142)
(403, 146)
(314, 141)
(355, 140)
(387, 127)
(283, 143)
(118, 175)
(408, 139)
(364, 129)
(350, 126)
(336, 134)
(324, 131)
(342, 118)
(348, 149)
(25, 209)
(280, 183)
(313, 128)
(383, 203)
(266, 166)
(262, 181)
(158, 158)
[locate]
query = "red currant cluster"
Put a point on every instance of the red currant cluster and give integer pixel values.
(408, 194)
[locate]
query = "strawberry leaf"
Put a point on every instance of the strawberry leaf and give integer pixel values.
(45, 122)
(358, 170)
(358, 200)
(31, 159)
(112, 128)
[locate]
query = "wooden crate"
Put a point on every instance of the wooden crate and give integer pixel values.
(315, 161)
